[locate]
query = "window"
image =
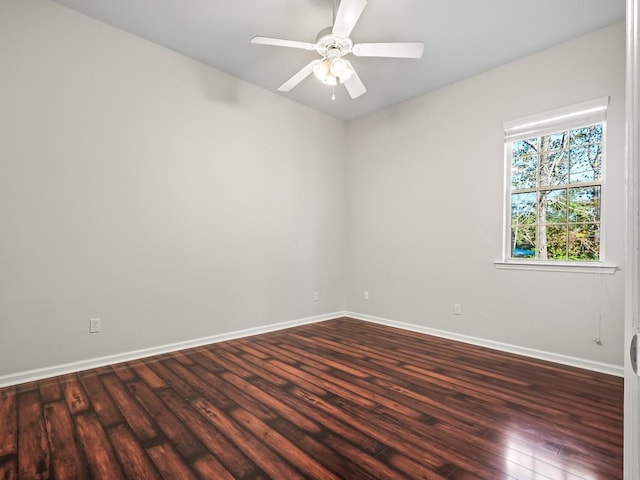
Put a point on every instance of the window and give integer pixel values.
(555, 166)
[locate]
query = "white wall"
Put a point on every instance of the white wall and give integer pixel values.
(425, 204)
(165, 197)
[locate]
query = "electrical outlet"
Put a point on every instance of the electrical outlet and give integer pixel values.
(457, 309)
(94, 325)
(366, 295)
(315, 296)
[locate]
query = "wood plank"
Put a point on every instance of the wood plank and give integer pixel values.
(237, 395)
(368, 446)
(245, 346)
(193, 377)
(97, 449)
(208, 352)
(331, 459)
(9, 468)
(234, 460)
(276, 405)
(246, 369)
(173, 428)
(146, 374)
(208, 466)
(307, 464)
(133, 459)
(8, 433)
(137, 418)
(373, 465)
(268, 461)
(223, 356)
(74, 394)
(394, 435)
(50, 390)
(124, 372)
(9, 422)
(183, 357)
(65, 454)
(169, 463)
(34, 459)
(101, 402)
(27, 387)
(170, 378)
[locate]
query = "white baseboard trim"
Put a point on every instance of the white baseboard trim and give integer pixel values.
(504, 347)
(47, 372)
(53, 371)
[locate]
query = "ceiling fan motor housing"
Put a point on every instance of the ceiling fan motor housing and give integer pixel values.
(330, 45)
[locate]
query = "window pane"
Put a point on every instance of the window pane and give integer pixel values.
(553, 206)
(556, 236)
(586, 164)
(555, 141)
(525, 147)
(523, 241)
(523, 208)
(584, 204)
(584, 242)
(556, 196)
(553, 168)
(523, 171)
(583, 136)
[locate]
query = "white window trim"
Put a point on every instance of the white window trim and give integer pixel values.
(541, 124)
(569, 267)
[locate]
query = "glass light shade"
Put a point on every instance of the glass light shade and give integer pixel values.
(338, 67)
(321, 70)
(330, 70)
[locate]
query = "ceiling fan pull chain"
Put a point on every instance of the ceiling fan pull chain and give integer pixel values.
(333, 95)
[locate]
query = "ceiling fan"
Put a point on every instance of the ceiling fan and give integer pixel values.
(333, 43)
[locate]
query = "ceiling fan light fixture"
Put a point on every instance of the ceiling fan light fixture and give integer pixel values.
(332, 69)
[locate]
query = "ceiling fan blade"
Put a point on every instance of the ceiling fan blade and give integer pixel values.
(303, 73)
(396, 49)
(346, 17)
(279, 42)
(353, 84)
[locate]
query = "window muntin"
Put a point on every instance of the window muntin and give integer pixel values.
(555, 194)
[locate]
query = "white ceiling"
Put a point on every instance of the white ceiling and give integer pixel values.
(462, 38)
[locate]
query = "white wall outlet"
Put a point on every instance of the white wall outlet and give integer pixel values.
(457, 309)
(94, 325)
(366, 295)
(315, 296)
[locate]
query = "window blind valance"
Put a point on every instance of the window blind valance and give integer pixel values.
(567, 118)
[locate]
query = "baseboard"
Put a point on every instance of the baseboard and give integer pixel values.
(47, 372)
(504, 347)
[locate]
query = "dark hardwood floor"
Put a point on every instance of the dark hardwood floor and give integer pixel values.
(341, 399)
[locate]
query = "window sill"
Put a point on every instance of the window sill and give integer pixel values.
(595, 267)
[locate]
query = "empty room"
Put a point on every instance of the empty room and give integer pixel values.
(319, 239)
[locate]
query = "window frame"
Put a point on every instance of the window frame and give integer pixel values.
(560, 120)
